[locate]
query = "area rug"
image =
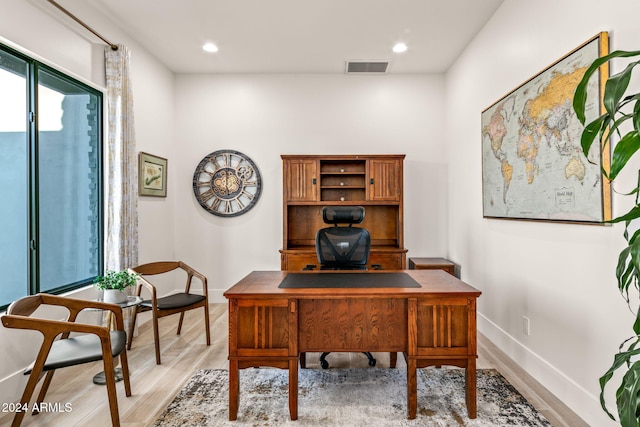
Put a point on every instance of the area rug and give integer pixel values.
(349, 397)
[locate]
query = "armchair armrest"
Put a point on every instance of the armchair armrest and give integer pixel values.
(192, 272)
(75, 306)
(144, 283)
(18, 314)
(52, 327)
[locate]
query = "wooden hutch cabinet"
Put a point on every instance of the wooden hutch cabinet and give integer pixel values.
(313, 181)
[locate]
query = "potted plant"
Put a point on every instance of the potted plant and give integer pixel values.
(621, 119)
(114, 283)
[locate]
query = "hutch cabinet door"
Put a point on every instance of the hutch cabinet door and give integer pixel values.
(385, 179)
(301, 180)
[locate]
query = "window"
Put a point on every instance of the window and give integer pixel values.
(50, 179)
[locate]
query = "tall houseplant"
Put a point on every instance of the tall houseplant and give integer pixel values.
(621, 119)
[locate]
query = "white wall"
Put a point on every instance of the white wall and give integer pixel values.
(264, 116)
(560, 276)
(38, 29)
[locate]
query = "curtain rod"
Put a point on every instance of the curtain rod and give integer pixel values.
(70, 15)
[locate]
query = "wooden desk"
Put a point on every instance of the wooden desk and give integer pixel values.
(432, 325)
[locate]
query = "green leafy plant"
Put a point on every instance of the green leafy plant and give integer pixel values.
(621, 119)
(118, 280)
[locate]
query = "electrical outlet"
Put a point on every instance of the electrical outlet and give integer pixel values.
(526, 325)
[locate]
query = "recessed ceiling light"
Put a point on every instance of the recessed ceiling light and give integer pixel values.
(399, 47)
(210, 47)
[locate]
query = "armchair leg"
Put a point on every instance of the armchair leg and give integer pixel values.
(124, 363)
(156, 338)
(32, 382)
(180, 323)
(206, 323)
(109, 376)
(45, 387)
(26, 397)
(132, 327)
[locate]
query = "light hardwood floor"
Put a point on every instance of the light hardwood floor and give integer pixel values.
(154, 386)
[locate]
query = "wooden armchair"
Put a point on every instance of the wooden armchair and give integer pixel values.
(170, 304)
(95, 343)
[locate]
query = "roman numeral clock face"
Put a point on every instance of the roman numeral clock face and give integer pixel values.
(227, 183)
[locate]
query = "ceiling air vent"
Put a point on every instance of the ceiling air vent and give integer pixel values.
(367, 67)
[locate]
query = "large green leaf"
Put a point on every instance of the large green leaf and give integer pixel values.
(636, 324)
(628, 398)
(615, 87)
(580, 95)
(625, 272)
(591, 131)
(634, 213)
(621, 358)
(635, 256)
(623, 151)
(634, 237)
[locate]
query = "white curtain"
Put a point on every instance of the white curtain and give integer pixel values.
(121, 189)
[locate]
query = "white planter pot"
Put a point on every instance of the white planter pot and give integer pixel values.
(114, 296)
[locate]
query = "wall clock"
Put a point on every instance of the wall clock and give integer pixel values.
(227, 183)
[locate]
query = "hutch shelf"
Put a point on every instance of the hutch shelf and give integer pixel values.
(311, 182)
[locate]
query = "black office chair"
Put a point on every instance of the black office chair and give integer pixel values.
(343, 248)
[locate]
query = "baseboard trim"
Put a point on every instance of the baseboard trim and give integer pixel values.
(216, 296)
(578, 399)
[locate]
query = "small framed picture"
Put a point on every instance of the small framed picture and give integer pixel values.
(152, 175)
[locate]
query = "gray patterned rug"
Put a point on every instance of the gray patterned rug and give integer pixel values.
(349, 397)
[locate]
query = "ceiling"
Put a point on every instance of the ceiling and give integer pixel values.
(298, 36)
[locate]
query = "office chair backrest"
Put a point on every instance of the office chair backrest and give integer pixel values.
(339, 247)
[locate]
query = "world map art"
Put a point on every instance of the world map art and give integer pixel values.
(532, 162)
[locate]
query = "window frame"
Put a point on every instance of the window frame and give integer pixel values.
(35, 66)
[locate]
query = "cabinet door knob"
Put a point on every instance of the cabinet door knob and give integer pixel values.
(313, 181)
(371, 181)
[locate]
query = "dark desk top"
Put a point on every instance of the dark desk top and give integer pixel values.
(348, 279)
(265, 284)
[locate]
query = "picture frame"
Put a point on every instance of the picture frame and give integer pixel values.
(152, 175)
(533, 167)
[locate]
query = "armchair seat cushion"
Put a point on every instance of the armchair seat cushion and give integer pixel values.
(80, 349)
(174, 301)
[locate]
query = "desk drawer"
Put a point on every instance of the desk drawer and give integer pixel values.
(353, 324)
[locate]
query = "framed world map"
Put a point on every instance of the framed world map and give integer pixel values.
(533, 167)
